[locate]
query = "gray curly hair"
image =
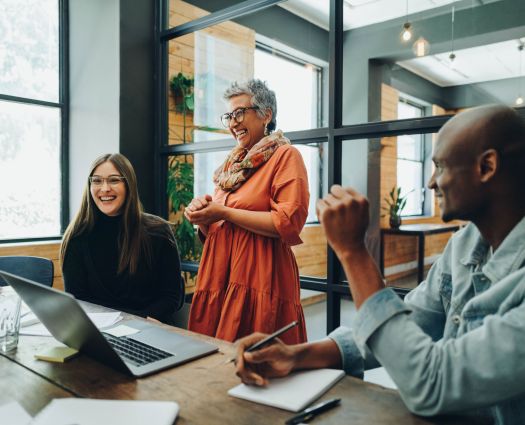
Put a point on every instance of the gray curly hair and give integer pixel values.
(262, 97)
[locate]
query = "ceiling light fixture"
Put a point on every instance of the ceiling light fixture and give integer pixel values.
(452, 55)
(421, 47)
(519, 99)
(406, 33)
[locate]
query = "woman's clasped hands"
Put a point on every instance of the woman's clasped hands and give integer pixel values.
(203, 211)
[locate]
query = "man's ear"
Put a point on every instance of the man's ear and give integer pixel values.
(489, 163)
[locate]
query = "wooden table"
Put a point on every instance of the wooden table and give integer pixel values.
(420, 231)
(199, 387)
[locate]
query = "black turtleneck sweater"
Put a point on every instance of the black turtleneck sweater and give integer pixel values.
(90, 272)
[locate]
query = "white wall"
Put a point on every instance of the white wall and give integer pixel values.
(94, 88)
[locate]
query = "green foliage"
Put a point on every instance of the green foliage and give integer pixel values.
(182, 87)
(396, 203)
(180, 184)
(180, 193)
(180, 174)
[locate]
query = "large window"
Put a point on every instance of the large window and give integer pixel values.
(299, 100)
(31, 119)
(411, 161)
(299, 94)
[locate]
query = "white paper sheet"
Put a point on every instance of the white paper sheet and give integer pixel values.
(121, 330)
(13, 414)
(101, 320)
(28, 319)
(68, 411)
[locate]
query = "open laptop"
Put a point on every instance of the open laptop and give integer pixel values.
(148, 351)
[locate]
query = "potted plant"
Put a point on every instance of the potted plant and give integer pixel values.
(395, 204)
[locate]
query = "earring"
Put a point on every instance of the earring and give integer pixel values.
(266, 131)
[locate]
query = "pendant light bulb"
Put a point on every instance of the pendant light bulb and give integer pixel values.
(421, 47)
(406, 34)
(519, 101)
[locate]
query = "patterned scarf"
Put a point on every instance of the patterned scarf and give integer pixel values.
(242, 163)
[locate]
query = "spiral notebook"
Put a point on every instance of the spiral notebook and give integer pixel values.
(293, 392)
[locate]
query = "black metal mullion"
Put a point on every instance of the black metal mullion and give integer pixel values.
(296, 137)
(161, 108)
(392, 128)
(232, 12)
(335, 114)
(38, 102)
(64, 109)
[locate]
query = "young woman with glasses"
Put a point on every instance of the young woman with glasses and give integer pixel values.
(114, 254)
(248, 278)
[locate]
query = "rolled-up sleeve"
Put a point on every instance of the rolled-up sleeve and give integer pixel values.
(290, 196)
(375, 311)
(353, 362)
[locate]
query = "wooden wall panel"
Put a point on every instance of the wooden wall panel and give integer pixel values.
(311, 254)
(388, 159)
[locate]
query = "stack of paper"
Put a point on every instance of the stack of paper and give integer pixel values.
(293, 392)
(101, 320)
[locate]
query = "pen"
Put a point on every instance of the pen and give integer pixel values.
(309, 413)
(268, 339)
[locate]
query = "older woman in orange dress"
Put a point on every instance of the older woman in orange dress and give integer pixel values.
(248, 278)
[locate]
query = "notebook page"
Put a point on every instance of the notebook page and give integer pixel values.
(293, 392)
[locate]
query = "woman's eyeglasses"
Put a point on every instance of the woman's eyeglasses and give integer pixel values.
(111, 180)
(237, 115)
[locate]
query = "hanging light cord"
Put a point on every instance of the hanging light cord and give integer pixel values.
(520, 76)
(452, 31)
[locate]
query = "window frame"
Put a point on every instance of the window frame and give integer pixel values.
(335, 134)
(63, 106)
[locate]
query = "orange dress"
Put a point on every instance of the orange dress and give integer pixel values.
(249, 282)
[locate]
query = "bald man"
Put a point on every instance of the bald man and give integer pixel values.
(457, 342)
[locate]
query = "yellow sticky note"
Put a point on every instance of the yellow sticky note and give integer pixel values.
(56, 354)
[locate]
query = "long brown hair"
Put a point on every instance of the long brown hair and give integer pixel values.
(134, 239)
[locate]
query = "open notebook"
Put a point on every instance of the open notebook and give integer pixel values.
(293, 392)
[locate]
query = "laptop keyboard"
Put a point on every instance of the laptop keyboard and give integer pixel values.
(137, 353)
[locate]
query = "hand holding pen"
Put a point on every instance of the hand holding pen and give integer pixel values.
(260, 357)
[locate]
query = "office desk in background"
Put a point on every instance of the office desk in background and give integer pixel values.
(420, 231)
(199, 387)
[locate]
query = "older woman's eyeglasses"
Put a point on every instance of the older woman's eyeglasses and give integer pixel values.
(237, 115)
(112, 180)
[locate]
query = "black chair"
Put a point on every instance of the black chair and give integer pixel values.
(34, 268)
(182, 313)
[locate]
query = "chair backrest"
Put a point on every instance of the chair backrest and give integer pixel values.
(34, 268)
(180, 317)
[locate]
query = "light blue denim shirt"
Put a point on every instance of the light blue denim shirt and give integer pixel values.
(457, 342)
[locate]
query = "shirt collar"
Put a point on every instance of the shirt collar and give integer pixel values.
(509, 256)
